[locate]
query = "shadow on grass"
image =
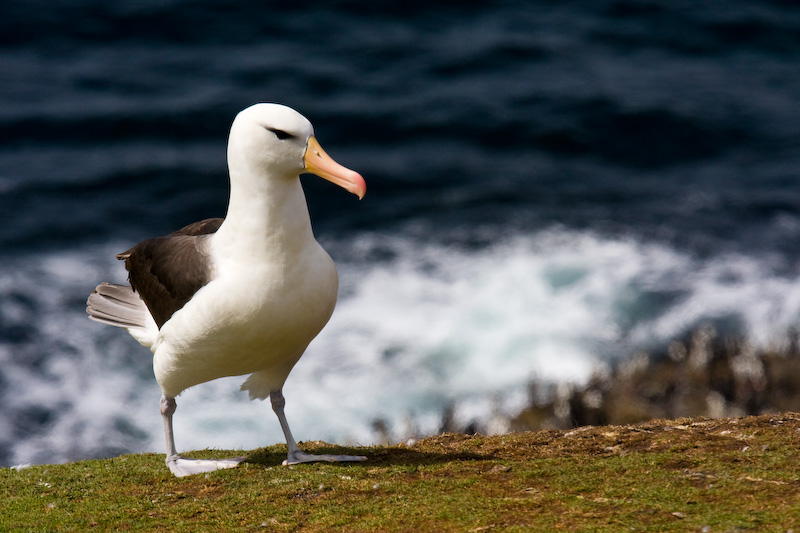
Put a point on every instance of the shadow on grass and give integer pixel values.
(384, 456)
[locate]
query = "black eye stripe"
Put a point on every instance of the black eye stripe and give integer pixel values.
(280, 134)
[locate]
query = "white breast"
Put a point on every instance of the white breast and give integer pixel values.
(252, 317)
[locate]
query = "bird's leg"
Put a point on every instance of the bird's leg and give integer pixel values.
(295, 455)
(182, 466)
(168, 407)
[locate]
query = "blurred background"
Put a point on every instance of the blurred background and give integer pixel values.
(560, 194)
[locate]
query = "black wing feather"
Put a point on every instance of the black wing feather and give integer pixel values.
(167, 271)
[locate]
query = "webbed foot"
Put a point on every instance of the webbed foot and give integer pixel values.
(299, 456)
(183, 466)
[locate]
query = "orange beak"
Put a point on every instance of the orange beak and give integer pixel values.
(319, 163)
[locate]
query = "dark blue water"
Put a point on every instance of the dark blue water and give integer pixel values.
(551, 186)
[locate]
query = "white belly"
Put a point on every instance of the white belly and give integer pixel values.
(247, 320)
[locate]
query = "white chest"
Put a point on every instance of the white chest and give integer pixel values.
(253, 316)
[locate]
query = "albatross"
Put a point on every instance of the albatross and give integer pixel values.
(241, 295)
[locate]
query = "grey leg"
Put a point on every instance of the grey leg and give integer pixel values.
(182, 466)
(168, 407)
(295, 455)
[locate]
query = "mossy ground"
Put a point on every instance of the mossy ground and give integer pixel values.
(682, 475)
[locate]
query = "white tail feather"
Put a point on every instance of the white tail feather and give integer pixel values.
(121, 306)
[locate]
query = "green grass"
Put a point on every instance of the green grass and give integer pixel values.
(680, 475)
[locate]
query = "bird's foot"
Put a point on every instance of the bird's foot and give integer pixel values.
(183, 466)
(299, 456)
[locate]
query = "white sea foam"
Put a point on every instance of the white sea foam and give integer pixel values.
(435, 328)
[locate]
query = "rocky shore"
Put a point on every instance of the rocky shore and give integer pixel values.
(702, 375)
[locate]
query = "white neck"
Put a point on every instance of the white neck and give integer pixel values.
(267, 216)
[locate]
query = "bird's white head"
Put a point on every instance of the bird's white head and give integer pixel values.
(276, 140)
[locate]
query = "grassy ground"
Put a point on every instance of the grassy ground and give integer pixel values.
(680, 475)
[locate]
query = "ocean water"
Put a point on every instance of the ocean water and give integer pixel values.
(551, 187)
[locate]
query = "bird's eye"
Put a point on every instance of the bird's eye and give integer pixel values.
(280, 134)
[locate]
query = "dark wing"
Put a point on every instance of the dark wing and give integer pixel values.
(204, 227)
(167, 271)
